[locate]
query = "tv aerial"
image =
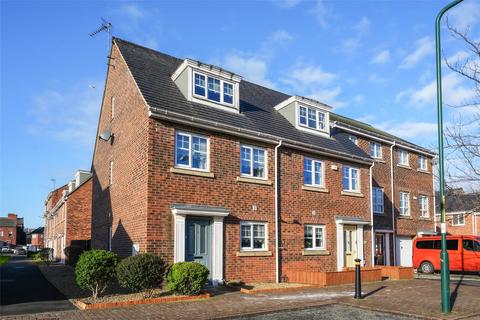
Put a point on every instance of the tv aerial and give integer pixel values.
(105, 26)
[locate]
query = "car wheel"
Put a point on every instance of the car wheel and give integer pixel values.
(426, 267)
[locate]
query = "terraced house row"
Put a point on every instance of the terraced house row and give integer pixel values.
(194, 163)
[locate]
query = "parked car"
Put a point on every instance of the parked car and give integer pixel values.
(463, 253)
(7, 250)
(20, 251)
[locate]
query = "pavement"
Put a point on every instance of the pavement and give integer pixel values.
(23, 289)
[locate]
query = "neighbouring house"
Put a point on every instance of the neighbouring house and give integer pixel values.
(68, 217)
(36, 238)
(11, 231)
(462, 212)
(193, 163)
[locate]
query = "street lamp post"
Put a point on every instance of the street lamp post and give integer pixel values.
(444, 263)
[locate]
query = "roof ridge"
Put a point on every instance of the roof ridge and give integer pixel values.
(146, 48)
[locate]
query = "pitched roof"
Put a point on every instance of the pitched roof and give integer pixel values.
(460, 202)
(38, 230)
(152, 72)
(5, 222)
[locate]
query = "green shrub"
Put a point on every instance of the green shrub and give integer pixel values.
(187, 278)
(143, 272)
(95, 269)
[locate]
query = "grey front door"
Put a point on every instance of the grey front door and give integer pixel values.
(198, 244)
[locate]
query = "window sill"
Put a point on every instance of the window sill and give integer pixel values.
(191, 172)
(315, 253)
(423, 171)
(424, 218)
(253, 180)
(379, 160)
(315, 189)
(404, 166)
(254, 253)
(352, 194)
(405, 217)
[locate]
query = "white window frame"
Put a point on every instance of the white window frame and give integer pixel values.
(190, 136)
(205, 97)
(112, 108)
(403, 161)
(314, 236)
(265, 164)
(251, 224)
(317, 119)
(458, 215)
(110, 178)
(375, 197)
(404, 206)
(1, 233)
(350, 169)
(424, 213)
(353, 138)
(422, 163)
(322, 172)
(376, 149)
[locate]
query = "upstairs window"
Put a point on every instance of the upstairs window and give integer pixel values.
(312, 118)
(422, 163)
(213, 89)
(402, 157)
(423, 204)
(404, 203)
(458, 219)
(111, 173)
(375, 150)
(112, 108)
(313, 172)
(351, 180)
(252, 162)
(353, 139)
(191, 151)
(377, 197)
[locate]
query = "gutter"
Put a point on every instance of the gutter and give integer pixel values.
(394, 235)
(277, 259)
(371, 214)
(209, 125)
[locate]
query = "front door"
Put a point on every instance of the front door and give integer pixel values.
(404, 251)
(350, 245)
(379, 249)
(198, 241)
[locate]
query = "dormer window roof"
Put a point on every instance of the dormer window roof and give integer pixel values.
(306, 114)
(208, 84)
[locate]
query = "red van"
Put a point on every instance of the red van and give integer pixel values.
(463, 253)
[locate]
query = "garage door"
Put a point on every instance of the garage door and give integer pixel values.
(404, 251)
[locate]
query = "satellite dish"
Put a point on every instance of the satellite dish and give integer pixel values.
(105, 135)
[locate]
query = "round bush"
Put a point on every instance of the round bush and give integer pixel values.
(95, 269)
(143, 272)
(187, 278)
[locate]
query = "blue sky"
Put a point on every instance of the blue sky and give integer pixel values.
(372, 61)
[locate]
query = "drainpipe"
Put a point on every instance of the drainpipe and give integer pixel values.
(277, 260)
(434, 204)
(394, 234)
(371, 214)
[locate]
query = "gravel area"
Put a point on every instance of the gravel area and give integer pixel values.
(269, 285)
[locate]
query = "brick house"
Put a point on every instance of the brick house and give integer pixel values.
(462, 212)
(36, 238)
(194, 163)
(11, 231)
(68, 216)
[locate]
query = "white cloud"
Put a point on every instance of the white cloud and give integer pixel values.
(350, 45)
(363, 26)
(329, 96)
(358, 98)
(312, 75)
(321, 13)
(68, 114)
(280, 36)
(409, 129)
(465, 15)
(424, 47)
(253, 68)
(375, 78)
(382, 57)
(458, 56)
(131, 11)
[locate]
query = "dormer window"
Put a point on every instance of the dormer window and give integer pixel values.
(312, 118)
(199, 85)
(213, 89)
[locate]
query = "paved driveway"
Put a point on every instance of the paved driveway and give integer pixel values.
(23, 289)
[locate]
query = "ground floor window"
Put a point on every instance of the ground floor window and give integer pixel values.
(253, 235)
(314, 237)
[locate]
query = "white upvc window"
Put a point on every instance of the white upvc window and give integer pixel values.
(253, 162)
(458, 219)
(423, 204)
(313, 172)
(1, 233)
(253, 236)
(402, 157)
(353, 138)
(110, 180)
(312, 118)
(404, 203)
(314, 237)
(378, 198)
(112, 108)
(376, 150)
(191, 151)
(422, 163)
(213, 89)
(351, 179)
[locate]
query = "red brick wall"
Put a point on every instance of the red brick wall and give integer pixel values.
(6, 238)
(37, 240)
(79, 213)
(466, 229)
(124, 203)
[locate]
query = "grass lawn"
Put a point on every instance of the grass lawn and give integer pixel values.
(4, 259)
